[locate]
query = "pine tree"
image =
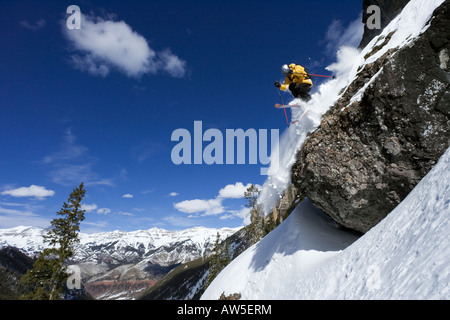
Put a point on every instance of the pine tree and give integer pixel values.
(220, 258)
(226, 255)
(214, 263)
(49, 274)
(256, 216)
(251, 195)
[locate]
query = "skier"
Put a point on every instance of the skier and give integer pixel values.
(297, 81)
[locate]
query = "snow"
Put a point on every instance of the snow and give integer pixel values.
(306, 239)
(405, 256)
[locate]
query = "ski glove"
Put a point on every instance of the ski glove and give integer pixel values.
(277, 84)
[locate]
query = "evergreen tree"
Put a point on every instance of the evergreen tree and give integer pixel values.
(257, 228)
(214, 264)
(251, 195)
(49, 274)
(220, 258)
(226, 255)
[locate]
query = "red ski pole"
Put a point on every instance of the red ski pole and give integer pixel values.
(285, 113)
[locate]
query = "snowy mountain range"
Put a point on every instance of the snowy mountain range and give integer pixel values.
(131, 261)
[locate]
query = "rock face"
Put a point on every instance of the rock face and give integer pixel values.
(291, 198)
(366, 156)
(388, 10)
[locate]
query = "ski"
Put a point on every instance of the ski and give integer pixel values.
(295, 121)
(284, 106)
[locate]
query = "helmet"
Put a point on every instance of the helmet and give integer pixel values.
(285, 69)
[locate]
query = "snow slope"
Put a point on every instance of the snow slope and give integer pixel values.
(406, 256)
(306, 239)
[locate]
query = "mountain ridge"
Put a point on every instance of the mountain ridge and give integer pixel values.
(119, 264)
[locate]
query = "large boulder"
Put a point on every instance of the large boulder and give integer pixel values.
(366, 156)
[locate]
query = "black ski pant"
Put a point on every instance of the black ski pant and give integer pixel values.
(301, 90)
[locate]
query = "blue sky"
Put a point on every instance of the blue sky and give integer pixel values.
(100, 104)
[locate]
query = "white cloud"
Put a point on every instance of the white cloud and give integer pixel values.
(89, 207)
(209, 207)
(235, 191)
(215, 206)
(128, 196)
(172, 64)
(105, 44)
(103, 211)
(173, 194)
(94, 208)
(37, 192)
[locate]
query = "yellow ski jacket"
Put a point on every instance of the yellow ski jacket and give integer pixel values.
(299, 76)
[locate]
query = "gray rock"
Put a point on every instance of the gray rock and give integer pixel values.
(363, 161)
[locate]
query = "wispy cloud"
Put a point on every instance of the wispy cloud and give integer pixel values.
(145, 150)
(69, 149)
(171, 64)
(124, 213)
(14, 214)
(338, 35)
(182, 222)
(71, 164)
(33, 25)
(105, 44)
